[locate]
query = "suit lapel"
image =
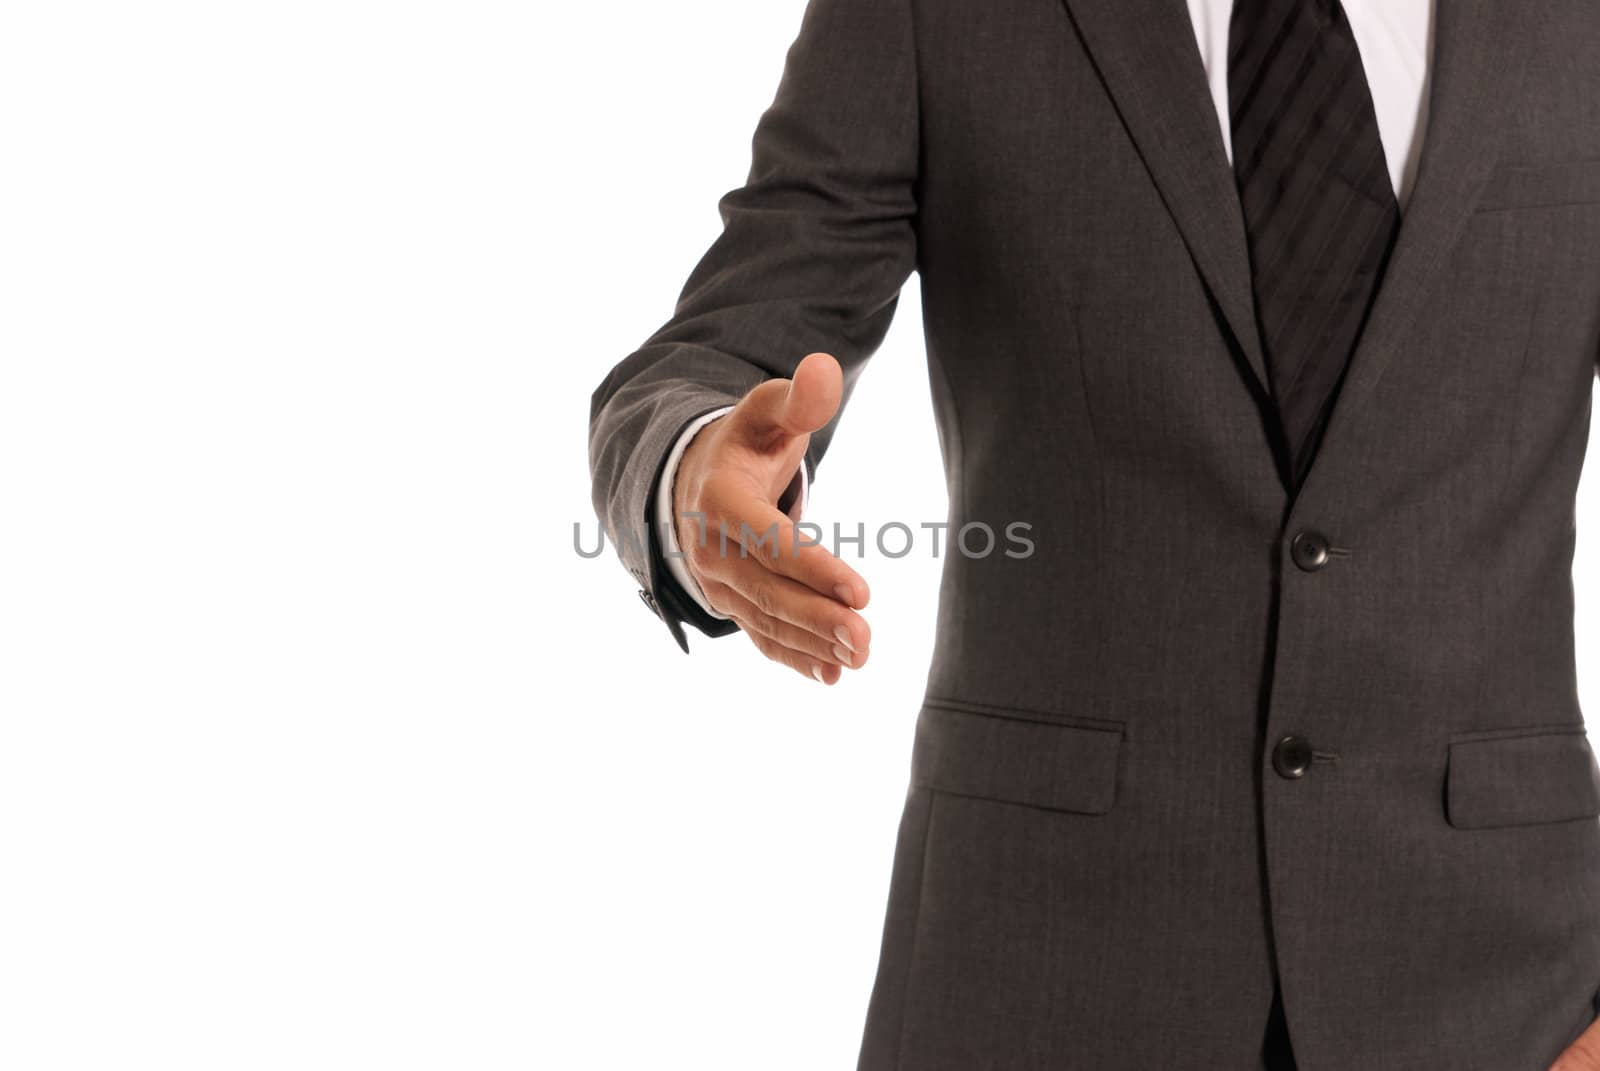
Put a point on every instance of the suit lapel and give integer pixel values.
(1478, 53)
(1145, 53)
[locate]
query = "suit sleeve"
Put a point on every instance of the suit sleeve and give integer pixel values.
(814, 249)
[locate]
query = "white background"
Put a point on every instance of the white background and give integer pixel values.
(320, 747)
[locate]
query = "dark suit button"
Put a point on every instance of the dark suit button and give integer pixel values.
(1309, 549)
(650, 601)
(1292, 757)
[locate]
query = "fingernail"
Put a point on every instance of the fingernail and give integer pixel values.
(816, 671)
(843, 635)
(846, 596)
(843, 656)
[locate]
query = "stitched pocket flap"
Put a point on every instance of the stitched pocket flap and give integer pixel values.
(1520, 778)
(1016, 758)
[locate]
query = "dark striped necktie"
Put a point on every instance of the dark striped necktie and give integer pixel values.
(1319, 210)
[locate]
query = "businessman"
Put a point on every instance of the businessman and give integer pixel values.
(1277, 320)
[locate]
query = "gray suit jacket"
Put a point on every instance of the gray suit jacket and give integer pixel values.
(1100, 865)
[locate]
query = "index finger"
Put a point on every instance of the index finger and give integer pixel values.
(780, 545)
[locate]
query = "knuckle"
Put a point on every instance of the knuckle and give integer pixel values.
(765, 598)
(702, 555)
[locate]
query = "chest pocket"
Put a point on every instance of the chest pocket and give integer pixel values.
(1542, 185)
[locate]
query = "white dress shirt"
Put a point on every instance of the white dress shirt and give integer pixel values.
(1395, 39)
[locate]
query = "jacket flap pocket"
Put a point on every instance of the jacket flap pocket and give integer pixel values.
(1017, 758)
(1565, 182)
(1520, 778)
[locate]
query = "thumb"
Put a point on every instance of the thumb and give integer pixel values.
(813, 397)
(780, 411)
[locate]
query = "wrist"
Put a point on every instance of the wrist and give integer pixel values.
(688, 523)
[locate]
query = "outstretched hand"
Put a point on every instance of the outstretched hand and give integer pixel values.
(795, 601)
